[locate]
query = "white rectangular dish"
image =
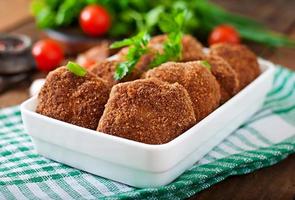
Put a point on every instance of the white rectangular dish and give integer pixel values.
(138, 164)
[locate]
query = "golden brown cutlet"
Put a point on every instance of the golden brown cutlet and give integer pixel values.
(148, 111)
(73, 99)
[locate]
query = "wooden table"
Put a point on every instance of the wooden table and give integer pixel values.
(276, 182)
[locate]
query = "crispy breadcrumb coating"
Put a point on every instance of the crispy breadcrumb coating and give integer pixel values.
(191, 48)
(106, 70)
(241, 59)
(73, 99)
(200, 84)
(225, 75)
(148, 111)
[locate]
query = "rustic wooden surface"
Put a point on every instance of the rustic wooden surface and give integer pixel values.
(276, 182)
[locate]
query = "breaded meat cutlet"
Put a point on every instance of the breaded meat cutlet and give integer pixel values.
(106, 70)
(199, 82)
(241, 59)
(191, 47)
(148, 111)
(73, 99)
(225, 76)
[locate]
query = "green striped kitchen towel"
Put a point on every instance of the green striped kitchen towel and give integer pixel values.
(265, 139)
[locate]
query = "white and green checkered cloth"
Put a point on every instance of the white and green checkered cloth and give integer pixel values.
(265, 139)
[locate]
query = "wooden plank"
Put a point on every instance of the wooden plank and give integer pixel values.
(29, 29)
(13, 13)
(275, 14)
(285, 56)
(15, 96)
(276, 182)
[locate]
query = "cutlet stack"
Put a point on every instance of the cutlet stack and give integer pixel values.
(152, 106)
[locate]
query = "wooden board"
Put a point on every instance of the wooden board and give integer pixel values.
(13, 13)
(276, 182)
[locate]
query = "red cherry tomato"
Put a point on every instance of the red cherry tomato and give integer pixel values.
(95, 20)
(224, 33)
(48, 54)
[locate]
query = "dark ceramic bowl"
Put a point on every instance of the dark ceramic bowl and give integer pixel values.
(15, 54)
(73, 40)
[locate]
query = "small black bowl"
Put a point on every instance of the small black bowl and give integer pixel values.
(73, 40)
(15, 54)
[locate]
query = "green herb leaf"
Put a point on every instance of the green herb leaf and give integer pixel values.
(152, 16)
(123, 69)
(46, 18)
(172, 26)
(76, 69)
(36, 6)
(167, 23)
(137, 46)
(205, 64)
(122, 43)
(68, 11)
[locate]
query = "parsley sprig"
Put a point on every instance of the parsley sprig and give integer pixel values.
(172, 24)
(137, 46)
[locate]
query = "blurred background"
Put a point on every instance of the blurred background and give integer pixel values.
(16, 18)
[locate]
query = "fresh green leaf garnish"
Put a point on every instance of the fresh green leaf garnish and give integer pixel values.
(76, 69)
(68, 11)
(169, 23)
(205, 64)
(152, 16)
(123, 69)
(137, 46)
(122, 43)
(172, 25)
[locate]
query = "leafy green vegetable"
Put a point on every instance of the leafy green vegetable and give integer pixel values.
(76, 69)
(56, 13)
(172, 25)
(137, 46)
(124, 68)
(53, 4)
(124, 42)
(152, 16)
(68, 12)
(46, 17)
(169, 23)
(266, 37)
(37, 6)
(129, 16)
